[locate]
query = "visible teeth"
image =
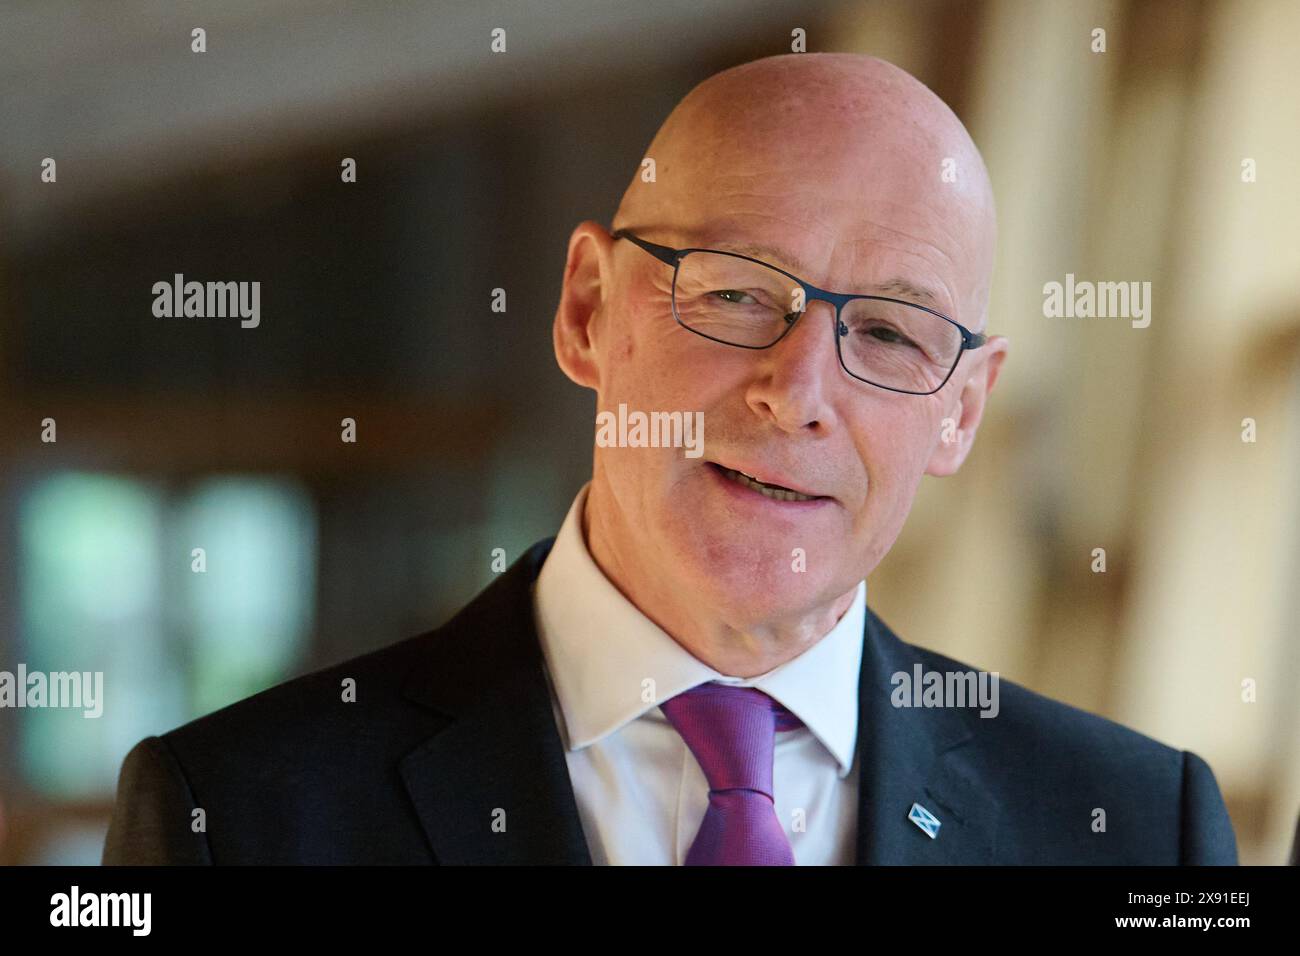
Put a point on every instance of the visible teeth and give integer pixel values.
(777, 493)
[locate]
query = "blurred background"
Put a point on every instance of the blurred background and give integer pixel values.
(472, 168)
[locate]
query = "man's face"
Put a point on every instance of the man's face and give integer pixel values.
(854, 211)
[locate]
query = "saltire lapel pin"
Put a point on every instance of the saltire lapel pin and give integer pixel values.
(924, 819)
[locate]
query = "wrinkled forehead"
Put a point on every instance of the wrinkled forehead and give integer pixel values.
(841, 218)
(857, 183)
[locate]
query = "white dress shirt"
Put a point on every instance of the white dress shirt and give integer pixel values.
(641, 793)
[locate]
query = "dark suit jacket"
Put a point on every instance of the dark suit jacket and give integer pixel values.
(451, 725)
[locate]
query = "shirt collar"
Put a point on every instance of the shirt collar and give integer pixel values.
(601, 649)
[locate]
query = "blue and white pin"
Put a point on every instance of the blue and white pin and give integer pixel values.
(924, 819)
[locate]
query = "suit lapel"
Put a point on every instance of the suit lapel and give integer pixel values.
(914, 755)
(492, 786)
(500, 757)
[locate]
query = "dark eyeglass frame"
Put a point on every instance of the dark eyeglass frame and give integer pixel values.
(674, 257)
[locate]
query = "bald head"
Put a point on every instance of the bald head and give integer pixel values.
(854, 177)
(842, 154)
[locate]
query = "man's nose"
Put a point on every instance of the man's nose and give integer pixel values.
(795, 376)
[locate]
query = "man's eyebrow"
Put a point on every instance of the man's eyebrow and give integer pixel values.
(900, 286)
(894, 286)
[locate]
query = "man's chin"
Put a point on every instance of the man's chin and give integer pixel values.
(746, 584)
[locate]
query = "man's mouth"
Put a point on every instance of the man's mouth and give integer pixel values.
(775, 492)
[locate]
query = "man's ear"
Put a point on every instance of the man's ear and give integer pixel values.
(588, 270)
(957, 430)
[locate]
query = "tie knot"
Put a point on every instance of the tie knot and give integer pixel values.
(732, 733)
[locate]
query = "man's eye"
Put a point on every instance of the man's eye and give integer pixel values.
(734, 296)
(886, 334)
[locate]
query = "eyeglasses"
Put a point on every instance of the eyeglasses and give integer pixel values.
(738, 300)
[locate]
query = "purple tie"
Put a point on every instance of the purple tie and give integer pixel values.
(732, 732)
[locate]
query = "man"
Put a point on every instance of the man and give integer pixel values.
(688, 673)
